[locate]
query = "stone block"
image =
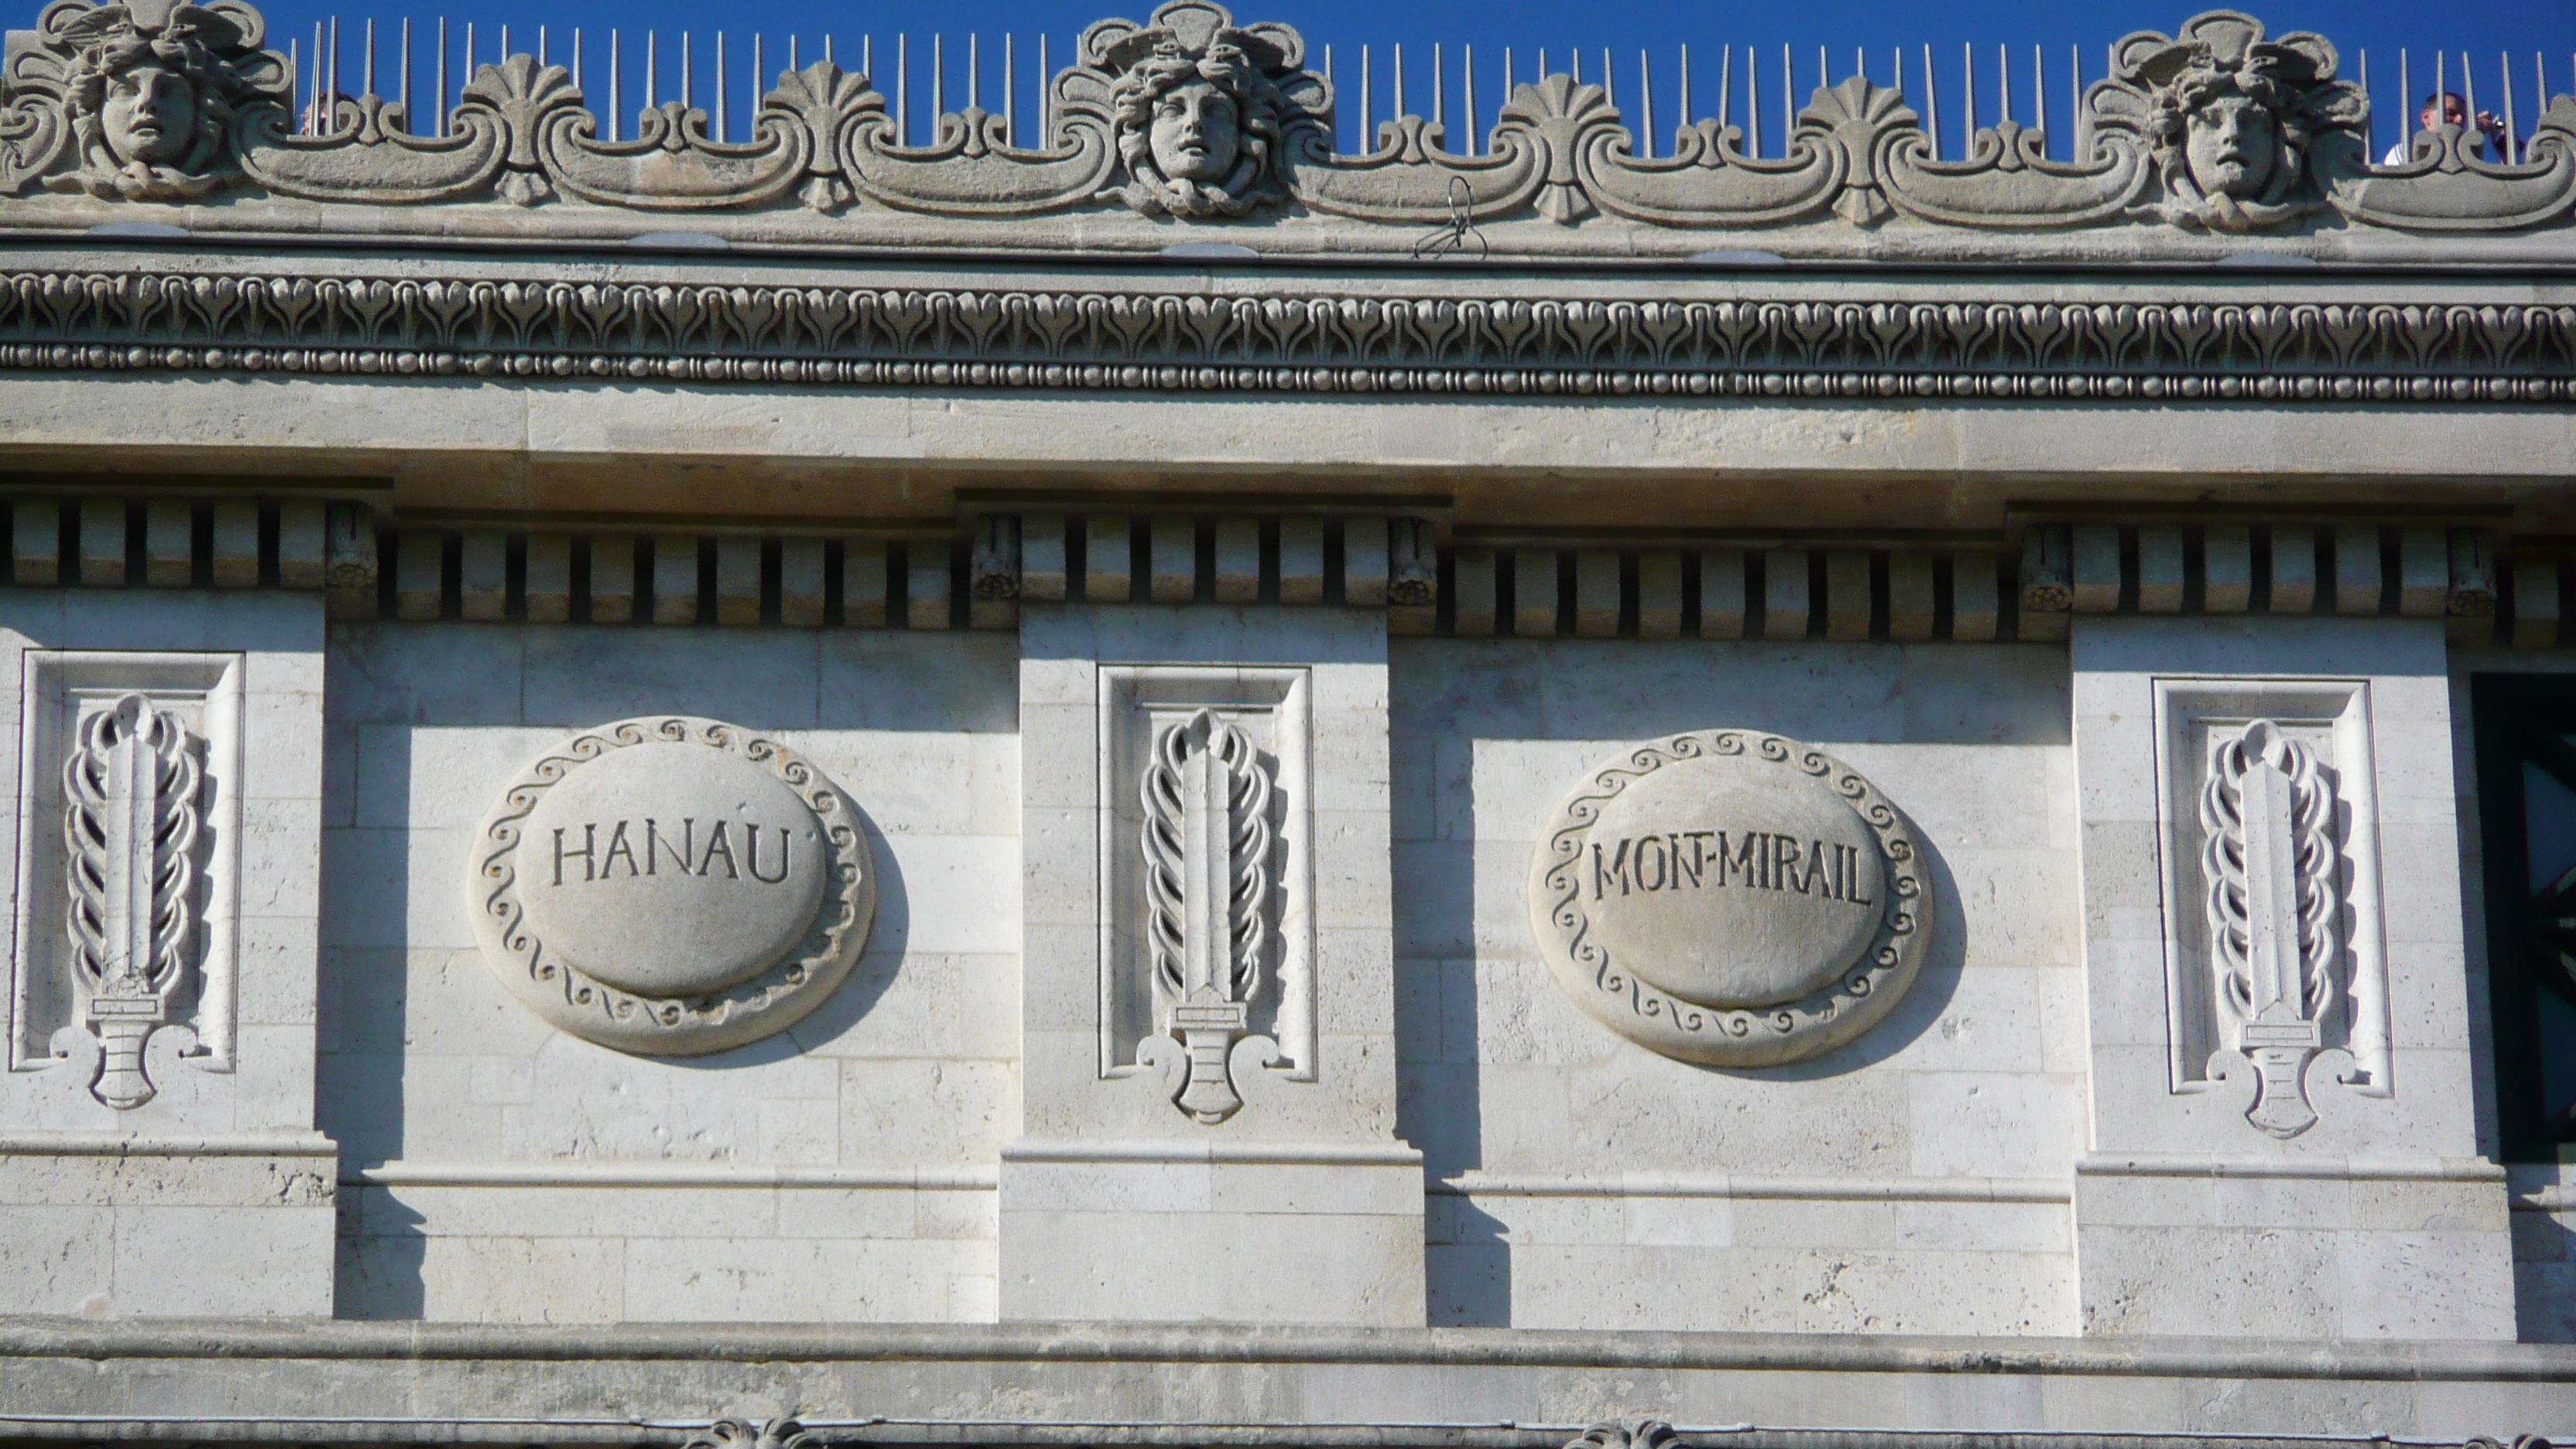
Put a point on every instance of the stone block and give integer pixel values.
(1596, 594)
(102, 542)
(546, 581)
(737, 580)
(1301, 560)
(1107, 574)
(2423, 572)
(2357, 568)
(612, 578)
(2293, 552)
(1341, 1243)
(1364, 562)
(863, 583)
(1785, 589)
(35, 542)
(801, 568)
(1722, 597)
(1042, 558)
(169, 543)
(1472, 582)
(419, 565)
(1659, 594)
(2160, 569)
(1847, 596)
(301, 544)
(1238, 560)
(674, 567)
(2096, 577)
(1911, 605)
(1173, 567)
(1534, 593)
(2226, 568)
(483, 575)
(928, 603)
(1976, 595)
(236, 544)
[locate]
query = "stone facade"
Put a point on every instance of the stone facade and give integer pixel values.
(818, 792)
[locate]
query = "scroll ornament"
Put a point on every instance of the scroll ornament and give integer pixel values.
(1191, 117)
(2274, 906)
(1208, 879)
(132, 814)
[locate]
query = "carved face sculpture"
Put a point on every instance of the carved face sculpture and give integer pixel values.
(2232, 143)
(1195, 133)
(149, 115)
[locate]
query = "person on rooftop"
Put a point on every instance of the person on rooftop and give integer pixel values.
(2447, 109)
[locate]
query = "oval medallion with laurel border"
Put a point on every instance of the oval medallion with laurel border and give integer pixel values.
(1732, 898)
(671, 885)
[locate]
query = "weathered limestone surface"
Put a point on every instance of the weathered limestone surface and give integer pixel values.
(505, 1171)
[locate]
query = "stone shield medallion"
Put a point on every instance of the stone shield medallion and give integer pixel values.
(672, 886)
(1731, 898)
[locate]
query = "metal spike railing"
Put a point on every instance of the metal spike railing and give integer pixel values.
(2021, 96)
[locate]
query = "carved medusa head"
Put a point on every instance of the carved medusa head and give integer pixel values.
(2235, 121)
(1199, 132)
(151, 91)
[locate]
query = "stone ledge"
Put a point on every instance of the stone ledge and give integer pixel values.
(263, 1339)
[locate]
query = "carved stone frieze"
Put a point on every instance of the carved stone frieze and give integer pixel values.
(1731, 898)
(1778, 347)
(671, 886)
(1193, 117)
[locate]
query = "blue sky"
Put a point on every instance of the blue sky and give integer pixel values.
(2530, 30)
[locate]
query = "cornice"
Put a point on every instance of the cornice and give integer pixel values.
(1760, 344)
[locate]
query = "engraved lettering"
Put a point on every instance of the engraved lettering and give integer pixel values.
(1663, 858)
(680, 851)
(618, 845)
(589, 838)
(1617, 870)
(751, 854)
(719, 843)
(655, 846)
(1784, 865)
(1673, 860)
(1698, 857)
(1745, 855)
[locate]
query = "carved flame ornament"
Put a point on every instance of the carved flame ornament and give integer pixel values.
(131, 816)
(2272, 867)
(1207, 844)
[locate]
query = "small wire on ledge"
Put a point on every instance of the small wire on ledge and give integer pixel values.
(1451, 237)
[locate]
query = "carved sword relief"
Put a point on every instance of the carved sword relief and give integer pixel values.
(131, 818)
(2274, 908)
(1207, 844)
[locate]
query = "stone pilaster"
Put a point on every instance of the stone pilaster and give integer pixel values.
(1209, 1091)
(2282, 1142)
(157, 1146)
